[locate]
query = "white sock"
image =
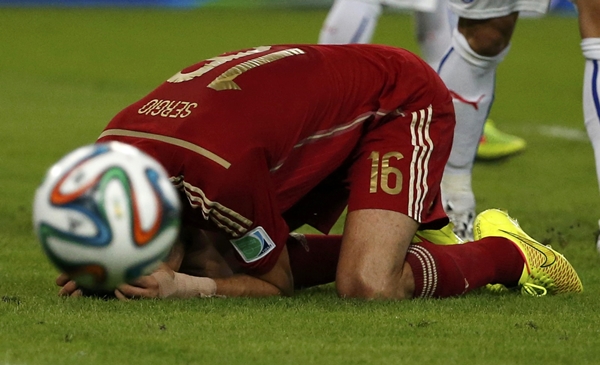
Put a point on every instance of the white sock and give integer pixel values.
(459, 203)
(350, 21)
(434, 32)
(471, 80)
(591, 95)
(460, 184)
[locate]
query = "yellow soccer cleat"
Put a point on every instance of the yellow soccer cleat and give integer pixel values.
(443, 236)
(495, 144)
(546, 271)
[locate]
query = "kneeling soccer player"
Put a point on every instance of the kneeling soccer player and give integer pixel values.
(264, 140)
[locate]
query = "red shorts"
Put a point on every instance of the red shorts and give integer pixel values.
(397, 166)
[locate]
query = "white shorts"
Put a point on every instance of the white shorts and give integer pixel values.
(418, 5)
(486, 9)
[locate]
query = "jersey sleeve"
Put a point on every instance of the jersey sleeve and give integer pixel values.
(241, 202)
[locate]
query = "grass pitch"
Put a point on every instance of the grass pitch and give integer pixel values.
(64, 73)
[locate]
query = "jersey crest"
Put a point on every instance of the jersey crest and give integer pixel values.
(254, 245)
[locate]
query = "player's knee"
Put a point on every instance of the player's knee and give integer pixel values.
(358, 286)
(488, 37)
(489, 43)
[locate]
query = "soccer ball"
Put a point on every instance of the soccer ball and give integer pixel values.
(106, 214)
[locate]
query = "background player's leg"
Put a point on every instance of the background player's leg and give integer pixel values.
(433, 32)
(469, 70)
(589, 25)
(350, 21)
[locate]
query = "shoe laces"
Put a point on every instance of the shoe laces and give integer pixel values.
(533, 289)
(538, 284)
(496, 288)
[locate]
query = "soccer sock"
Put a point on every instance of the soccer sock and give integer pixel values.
(433, 31)
(456, 189)
(471, 80)
(591, 95)
(350, 21)
(445, 271)
(313, 258)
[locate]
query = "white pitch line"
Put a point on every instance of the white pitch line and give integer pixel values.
(556, 131)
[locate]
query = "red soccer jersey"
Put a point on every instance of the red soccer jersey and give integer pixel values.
(247, 134)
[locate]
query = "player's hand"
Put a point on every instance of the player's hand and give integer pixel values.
(143, 287)
(166, 283)
(68, 287)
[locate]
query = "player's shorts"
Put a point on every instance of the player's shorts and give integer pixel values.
(396, 168)
(399, 165)
(418, 5)
(486, 9)
(398, 162)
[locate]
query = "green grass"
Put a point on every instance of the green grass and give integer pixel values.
(65, 73)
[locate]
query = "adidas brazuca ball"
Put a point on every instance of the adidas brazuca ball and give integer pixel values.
(106, 214)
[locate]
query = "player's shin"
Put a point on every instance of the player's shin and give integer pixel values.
(446, 271)
(470, 79)
(591, 110)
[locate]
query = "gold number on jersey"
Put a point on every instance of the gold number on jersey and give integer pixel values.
(380, 173)
(214, 62)
(225, 80)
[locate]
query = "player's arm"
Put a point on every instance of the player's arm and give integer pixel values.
(166, 283)
(278, 281)
(218, 278)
